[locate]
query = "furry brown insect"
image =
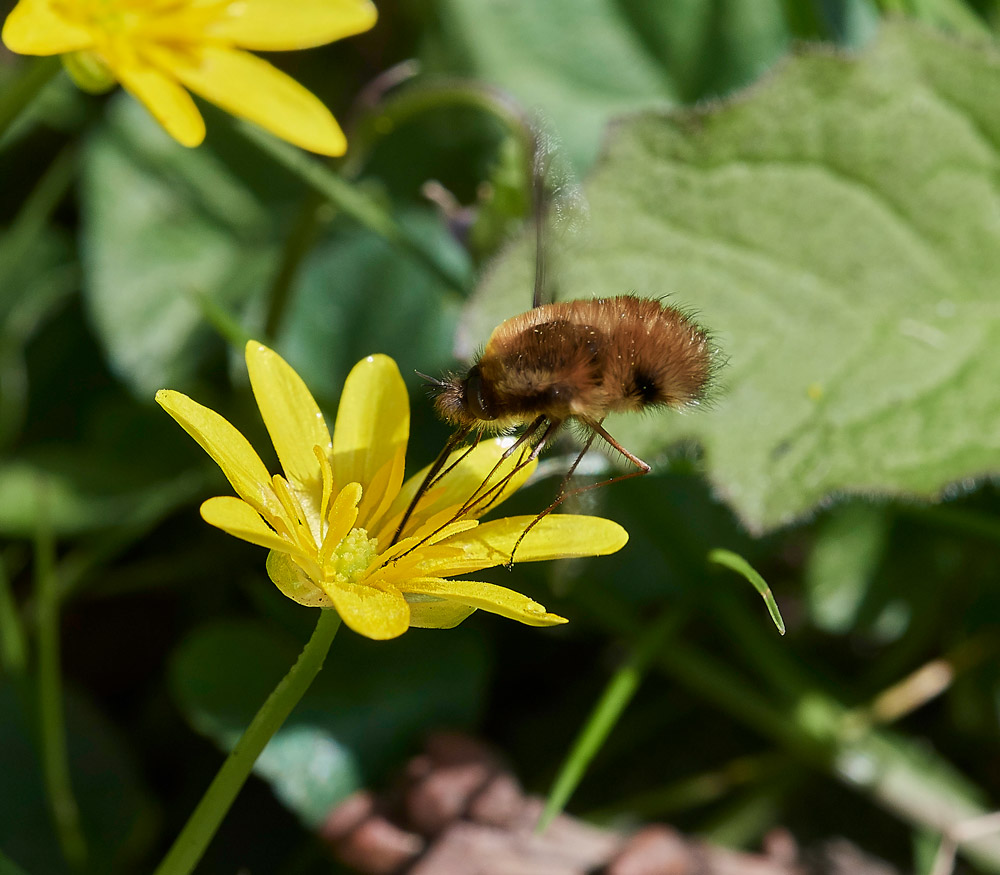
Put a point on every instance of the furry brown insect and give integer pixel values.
(574, 360)
(569, 361)
(580, 360)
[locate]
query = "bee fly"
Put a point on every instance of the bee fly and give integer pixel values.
(571, 361)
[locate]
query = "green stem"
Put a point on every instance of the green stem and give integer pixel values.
(13, 642)
(303, 234)
(189, 846)
(55, 756)
(351, 201)
(9, 867)
(687, 793)
(602, 720)
(414, 100)
(895, 773)
(23, 90)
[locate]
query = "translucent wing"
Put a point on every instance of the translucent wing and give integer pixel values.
(559, 208)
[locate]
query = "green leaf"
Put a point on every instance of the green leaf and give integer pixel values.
(836, 229)
(116, 811)
(85, 490)
(848, 548)
(162, 224)
(368, 707)
(355, 297)
(580, 61)
(36, 278)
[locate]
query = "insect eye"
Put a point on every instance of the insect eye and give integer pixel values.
(474, 399)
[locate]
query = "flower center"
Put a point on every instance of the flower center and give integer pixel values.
(351, 558)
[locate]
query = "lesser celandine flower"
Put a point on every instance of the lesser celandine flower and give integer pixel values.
(329, 522)
(161, 49)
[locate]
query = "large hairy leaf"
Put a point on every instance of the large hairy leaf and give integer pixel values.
(837, 227)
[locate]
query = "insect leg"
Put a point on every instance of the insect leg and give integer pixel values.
(561, 495)
(643, 467)
(596, 428)
(432, 474)
(496, 490)
(490, 495)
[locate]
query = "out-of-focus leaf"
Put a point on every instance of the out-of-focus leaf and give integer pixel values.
(580, 61)
(85, 491)
(368, 707)
(162, 224)
(836, 229)
(36, 278)
(844, 558)
(355, 297)
(116, 812)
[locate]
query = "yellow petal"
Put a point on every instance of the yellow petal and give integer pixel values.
(291, 415)
(370, 611)
(237, 518)
(277, 25)
(557, 536)
(33, 28)
(465, 482)
(230, 450)
(373, 420)
(432, 613)
(383, 490)
(486, 597)
(251, 88)
(293, 582)
(165, 99)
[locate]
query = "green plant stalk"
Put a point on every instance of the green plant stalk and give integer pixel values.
(37, 209)
(190, 845)
(52, 725)
(615, 698)
(13, 643)
(298, 244)
(23, 90)
(688, 793)
(413, 100)
(226, 325)
(911, 781)
(351, 201)
(9, 867)
(901, 777)
(746, 816)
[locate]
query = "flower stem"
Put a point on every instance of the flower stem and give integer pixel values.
(353, 202)
(34, 77)
(602, 720)
(189, 846)
(51, 718)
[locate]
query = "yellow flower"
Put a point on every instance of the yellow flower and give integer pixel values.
(330, 520)
(159, 48)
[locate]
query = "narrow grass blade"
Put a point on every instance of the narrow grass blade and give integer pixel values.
(55, 757)
(735, 562)
(615, 698)
(13, 643)
(9, 867)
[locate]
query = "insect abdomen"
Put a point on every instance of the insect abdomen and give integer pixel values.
(660, 357)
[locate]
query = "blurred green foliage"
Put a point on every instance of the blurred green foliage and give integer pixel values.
(818, 184)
